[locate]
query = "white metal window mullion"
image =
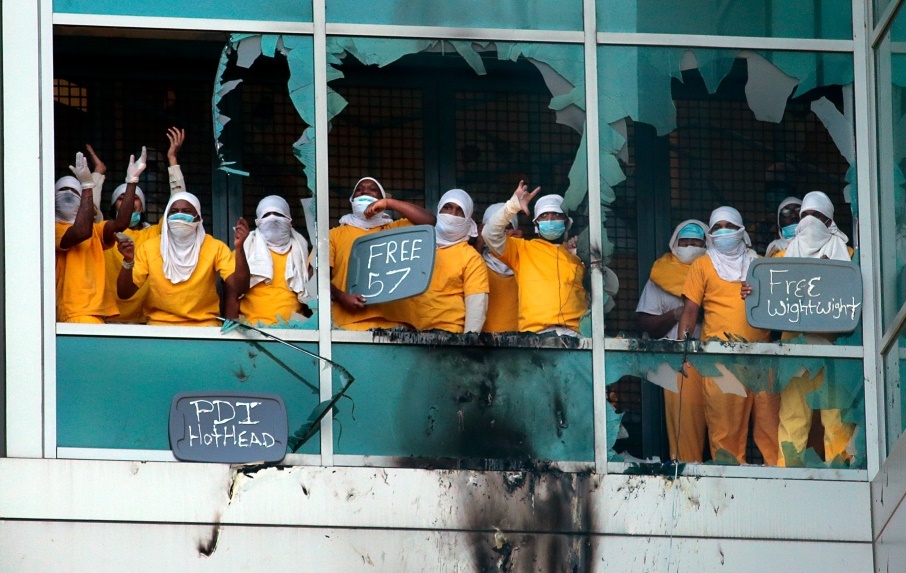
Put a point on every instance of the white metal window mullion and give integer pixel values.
(884, 22)
(599, 392)
(863, 96)
(322, 202)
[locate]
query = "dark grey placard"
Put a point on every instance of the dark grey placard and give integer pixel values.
(804, 295)
(228, 427)
(393, 264)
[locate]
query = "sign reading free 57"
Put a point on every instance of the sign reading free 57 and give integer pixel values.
(391, 265)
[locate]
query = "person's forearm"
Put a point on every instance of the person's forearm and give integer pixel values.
(494, 232)
(177, 181)
(124, 213)
(82, 227)
(125, 288)
(476, 312)
(241, 276)
(416, 214)
(688, 320)
(657, 325)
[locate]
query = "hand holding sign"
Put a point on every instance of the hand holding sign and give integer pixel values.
(391, 265)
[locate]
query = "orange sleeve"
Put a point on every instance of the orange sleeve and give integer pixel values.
(224, 260)
(474, 274)
(140, 270)
(694, 289)
(511, 250)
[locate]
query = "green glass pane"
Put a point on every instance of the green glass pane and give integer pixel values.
(513, 14)
(116, 392)
(648, 387)
(466, 403)
(825, 19)
(275, 10)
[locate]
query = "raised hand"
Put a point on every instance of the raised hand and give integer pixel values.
(524, 197)
(81, 171)
(99, 166)
(241, 233)
(377, 207)
(177, 137)
(136, 167)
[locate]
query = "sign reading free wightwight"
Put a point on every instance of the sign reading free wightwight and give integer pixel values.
(228, 427)
(804, 295)
(391, 265)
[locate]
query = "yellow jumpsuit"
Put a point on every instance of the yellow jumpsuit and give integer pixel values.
(80, 278)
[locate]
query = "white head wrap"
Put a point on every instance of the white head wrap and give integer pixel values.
(362, 222)
(451, 229)
(180, 254)
(674, 239)
(550, 204)
(67, 198)
(731, 266)
(276, 234)
(493, 262)
(813, 238)
(119, 191)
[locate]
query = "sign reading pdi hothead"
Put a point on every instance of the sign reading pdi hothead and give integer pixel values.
(391, 265)
(804, 295)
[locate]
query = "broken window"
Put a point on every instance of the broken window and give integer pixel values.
(826, 19)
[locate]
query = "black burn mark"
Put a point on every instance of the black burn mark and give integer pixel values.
(560, 418)
(207, 547)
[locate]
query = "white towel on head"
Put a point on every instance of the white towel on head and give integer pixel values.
(452, 229)
(813, 238)
(261, 263)
(180, 255)
(355, 220)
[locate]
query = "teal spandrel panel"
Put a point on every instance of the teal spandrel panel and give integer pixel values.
(510, 14)
(466, 403)
(116, 392)
(272, 10)
(819, 19)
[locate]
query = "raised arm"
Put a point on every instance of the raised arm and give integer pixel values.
(82, 227)
(124, 213)
(238, 282)
(98, 174)
(177, 137)
(418, 215)
(494, 232)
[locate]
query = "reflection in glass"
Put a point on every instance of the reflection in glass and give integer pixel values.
(828, 19)
(784, 397)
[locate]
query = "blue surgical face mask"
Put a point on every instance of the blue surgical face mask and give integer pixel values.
(551, 230)
(726, 240)
(136, 218)
(789, 231)
(360, 203)
(181, 217)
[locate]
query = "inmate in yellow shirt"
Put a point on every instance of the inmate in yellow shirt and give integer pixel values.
(550, 284)
(503, 303)
(130, 309)
(459, 271)
(190, 303)
(268, 303)
(725, 310)
(372, 316)
(80, 278)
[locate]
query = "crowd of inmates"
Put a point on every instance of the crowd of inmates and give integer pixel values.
(487, 277)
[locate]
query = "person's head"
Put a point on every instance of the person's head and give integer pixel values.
(818, 205)
(512, 229)
(138, 204)
(182, 207)
(273, 221)
(454, 217)
(726, 232)
(551, 223)
(365, 192)
(67, 198)
(688, 240)
(788, 217)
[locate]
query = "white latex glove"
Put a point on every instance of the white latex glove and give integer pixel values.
(81, 171)
(136, 167)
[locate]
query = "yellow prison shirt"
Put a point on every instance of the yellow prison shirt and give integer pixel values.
(459, 271)
(190, 303)
(372, 316)
(80, 278)
(131, 310)
(549, 278)
(503, 303)
(725, 310)
(268, 303)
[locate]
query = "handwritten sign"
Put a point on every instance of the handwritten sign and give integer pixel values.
(804, 295)
(228, 427)
(392, 265)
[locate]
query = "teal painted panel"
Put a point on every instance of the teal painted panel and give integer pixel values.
(273, 10)
(116, 392)
(823, 19)
(510, 14)
(466, 402)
